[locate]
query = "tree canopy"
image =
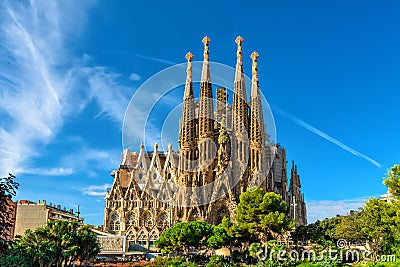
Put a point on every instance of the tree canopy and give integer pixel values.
(262, 213)
(59, 243)
(392, 180)
(183, 235)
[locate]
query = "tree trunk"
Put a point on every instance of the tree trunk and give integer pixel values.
(230, 250)
(187, 254)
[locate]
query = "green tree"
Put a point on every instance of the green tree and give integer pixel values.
(348, 228)
(379, 221)
(263, 214)
(183, 235)
(374, 222)
(58, 243)
(328, 227)
(392, 180)
(8, 189)
(321, 232)
(227, 233)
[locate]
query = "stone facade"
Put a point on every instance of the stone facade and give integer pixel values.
(222, 151)
(31, 215)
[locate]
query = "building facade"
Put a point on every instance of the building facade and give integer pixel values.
(223, 150)
(7, 218)
(31, 215)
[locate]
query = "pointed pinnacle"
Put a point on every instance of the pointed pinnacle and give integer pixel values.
(206, 41)
(254, 56)
(239, 40)
(189, 56)
(254, 68)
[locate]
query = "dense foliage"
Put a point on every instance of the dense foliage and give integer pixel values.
(8, 189)
(59, 243)
(263, 214)
(377, 223)
(183, 235)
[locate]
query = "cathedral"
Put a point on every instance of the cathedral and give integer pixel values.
(223, 150)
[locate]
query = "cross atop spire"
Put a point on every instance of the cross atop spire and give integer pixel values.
(206, 41)
(239, 40)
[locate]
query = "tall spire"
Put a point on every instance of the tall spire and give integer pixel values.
(206, 111)
(257, 128)
(240, 108)
(255, 89)
(188, 125)
(239, 53)
(206, 138)
(205, 75)
(187, 134)
(189, 83)
(294, 179)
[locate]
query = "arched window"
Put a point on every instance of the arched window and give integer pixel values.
(117, 226)
(163, 220)
(114, 224)
(131, 220)
(155, 176)
(147, 219)
(140, 176)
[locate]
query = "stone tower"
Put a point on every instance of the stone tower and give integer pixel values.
(222, 151)
(259, 164)
(296, 199)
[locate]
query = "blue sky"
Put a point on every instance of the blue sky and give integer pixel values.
(329, 70)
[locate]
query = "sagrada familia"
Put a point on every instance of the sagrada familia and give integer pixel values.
(223, 150)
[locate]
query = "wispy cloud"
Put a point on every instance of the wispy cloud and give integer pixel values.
(61, 171)
(31, 92)
(88, 160)
(134, 77)
(96, 190)
(321, 209)
(43, 83)
(111, 96)
(326, 136)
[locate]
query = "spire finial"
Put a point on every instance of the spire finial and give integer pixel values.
(141, 146)
(155, 146)
(189, 56)
(254, 57)
(206, 41)
(239, 40)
